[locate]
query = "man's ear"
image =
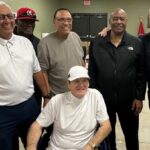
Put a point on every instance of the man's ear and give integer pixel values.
(68, 83)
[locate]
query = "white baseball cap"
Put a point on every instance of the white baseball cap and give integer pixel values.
(77, 72)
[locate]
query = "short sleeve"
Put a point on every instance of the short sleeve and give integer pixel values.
(47, 115)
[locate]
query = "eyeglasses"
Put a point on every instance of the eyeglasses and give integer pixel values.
(63, 20)
(9, 16)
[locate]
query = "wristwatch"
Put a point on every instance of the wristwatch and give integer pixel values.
(93, 145)
(47, 96)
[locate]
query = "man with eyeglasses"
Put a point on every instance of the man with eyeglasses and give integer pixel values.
(9, 16)
(58, 52)
(18, 66)
(116, 69)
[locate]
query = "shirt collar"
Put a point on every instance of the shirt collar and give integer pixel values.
(124, 40)
(5, 42)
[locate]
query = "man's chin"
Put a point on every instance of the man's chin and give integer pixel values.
(27, 34)
(119, 32)
(66, 33)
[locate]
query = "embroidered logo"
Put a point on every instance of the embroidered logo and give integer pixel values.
(29, 13)
(130, 48)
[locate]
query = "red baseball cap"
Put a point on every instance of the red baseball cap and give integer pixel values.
(26, 13)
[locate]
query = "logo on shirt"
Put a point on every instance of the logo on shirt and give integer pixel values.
(130, 48)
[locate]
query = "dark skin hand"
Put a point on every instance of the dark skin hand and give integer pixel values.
(137, 106)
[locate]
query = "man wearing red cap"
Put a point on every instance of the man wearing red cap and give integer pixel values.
(25, 24)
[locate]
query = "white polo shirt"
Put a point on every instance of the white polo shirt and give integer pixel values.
(18, 62)
(74, 119)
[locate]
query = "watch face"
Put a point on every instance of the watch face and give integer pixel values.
(95, 148)
(49, 95)
(93, 145)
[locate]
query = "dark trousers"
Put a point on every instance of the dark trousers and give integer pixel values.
(38, 95)
(103, 146)
(129, 124)
(15, 120)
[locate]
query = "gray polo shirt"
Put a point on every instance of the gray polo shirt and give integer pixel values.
(57, 56)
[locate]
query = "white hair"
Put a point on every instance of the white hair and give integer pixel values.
(2, 3)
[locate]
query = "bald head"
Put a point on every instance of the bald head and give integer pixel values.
(118, 21)
(118, 10)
